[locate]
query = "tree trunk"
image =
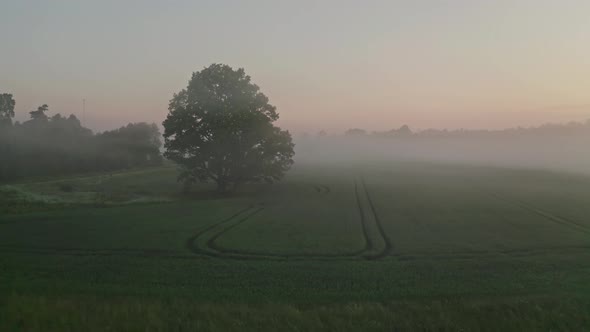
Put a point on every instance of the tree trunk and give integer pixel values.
(221, 186)
(186, 187)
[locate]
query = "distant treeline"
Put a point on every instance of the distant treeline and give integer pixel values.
(571, 128)
(54, 145)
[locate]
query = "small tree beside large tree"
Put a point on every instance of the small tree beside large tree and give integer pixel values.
(220, 128)
(7, 104)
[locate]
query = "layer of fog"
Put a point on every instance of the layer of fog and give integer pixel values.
(565, 152)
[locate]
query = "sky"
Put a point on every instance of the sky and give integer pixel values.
(332, 64)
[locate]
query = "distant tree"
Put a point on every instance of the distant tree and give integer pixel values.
(322, 133)
(355, 132)
(73, 121)
(404, 131)
(220, 128)
(51, 145)
(57, 117)
(39, 114)
(7, 104)
(137, 144)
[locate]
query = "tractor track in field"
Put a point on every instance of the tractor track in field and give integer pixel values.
(244, 254)
(548, 216)
(368, 241)
(211, 241)
(212, 249)
(191, 242)
(386, 240)
(199, 245)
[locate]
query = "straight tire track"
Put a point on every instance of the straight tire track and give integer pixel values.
(368, 240)
(549, 216)
(388, 245)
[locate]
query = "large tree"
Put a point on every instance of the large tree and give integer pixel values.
(220, 128)
(6, 109)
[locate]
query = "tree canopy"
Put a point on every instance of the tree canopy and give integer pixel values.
(39, 114)
(7, 104)
(53, 145)
(220, 128)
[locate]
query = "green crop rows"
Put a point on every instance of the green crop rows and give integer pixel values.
(403, 237)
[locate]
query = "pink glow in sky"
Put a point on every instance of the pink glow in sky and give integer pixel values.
(325, 64)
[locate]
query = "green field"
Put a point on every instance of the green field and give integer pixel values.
(390, 246)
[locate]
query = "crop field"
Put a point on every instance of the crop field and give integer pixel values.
(390, 246)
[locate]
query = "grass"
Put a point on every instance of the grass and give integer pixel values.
(301, 219)
(98, 314)
(364, 247)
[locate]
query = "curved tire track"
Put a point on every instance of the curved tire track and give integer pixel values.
(211, 242)
(242, 254)
(191, 242)
(214, 250)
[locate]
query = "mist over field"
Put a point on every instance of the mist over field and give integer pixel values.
(310, 165)
(556, 148)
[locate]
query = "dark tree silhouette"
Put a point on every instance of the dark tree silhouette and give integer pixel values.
(220, 128)
(52, 145)
(137, 144)
(39, 114)
(404, 131)
(7, 104)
